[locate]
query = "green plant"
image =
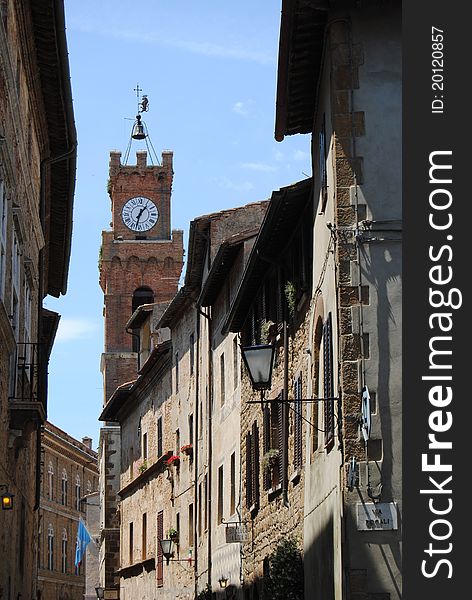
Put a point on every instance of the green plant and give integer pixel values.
(173, 533)
(283, 579)
(205, 594)
(291, 297)
(270, 458)
(142, 467)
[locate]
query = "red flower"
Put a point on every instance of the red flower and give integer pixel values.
(174, 459)
(186, 448)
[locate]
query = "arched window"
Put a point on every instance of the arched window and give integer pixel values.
(89, 487)
(64, 488)
(64, 551)
(50, 481)
(77, 492)
(50, 547)
(168, 263)
(142, 295)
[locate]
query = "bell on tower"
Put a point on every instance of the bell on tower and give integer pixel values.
(139, 130)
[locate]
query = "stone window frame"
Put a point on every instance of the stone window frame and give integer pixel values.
(64, 486)
(50, 547)
(3, 237)
(64, 551)
(78, 488)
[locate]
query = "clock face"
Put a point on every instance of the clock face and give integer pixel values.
(139, 214)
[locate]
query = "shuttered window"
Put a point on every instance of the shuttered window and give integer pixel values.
(279, 433)
(160, 555)
(297, 425)
(323, 172)
(328, 381)
(252, 466)
(266, 445)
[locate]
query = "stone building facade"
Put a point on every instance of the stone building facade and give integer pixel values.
(37, 179)
(70, 474)
(352, 108)
(179, 441)
(140, 263)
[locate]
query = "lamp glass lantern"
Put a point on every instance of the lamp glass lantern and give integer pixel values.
(100, 592)
(166, 547)
(7, 501)
(259, 361)
(223, 581)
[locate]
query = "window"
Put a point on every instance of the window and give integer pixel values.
(50, 548)
(159, 437)
(142, 295)
(232, 498)
(145, 446)
(15, 308)
(160, 556)
(222, 379)
(272, 439)
(50, 482)
(190, 525)
(77, 493)
(235, 362)
(322, 172)
(252, 467)
(220, 495)
(64, 488)
(176, 372)
(200, 498)
(130, 544)
(205, 500)
(144, 537)
(297, 425)
(190, 428)
(177, 441)
(192, 353)
(27, 323)
(3, 238)
(89, 487)
(64, 551)
(328, 382)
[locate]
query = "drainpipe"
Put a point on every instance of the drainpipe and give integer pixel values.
(285, 413)
(195, 446)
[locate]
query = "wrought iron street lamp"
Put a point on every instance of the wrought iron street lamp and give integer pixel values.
(223, 581)
(100, 592)
(259, 361)
(7, 498)
(166, 547)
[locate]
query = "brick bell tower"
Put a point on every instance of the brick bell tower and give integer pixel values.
(140, 263)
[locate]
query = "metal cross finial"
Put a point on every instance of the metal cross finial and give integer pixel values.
(138, 90)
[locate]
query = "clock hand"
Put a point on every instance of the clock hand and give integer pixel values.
(139, 216)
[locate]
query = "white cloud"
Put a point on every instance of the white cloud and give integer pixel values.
(258, 167)
(240, 108)
(194, 47)
(300, 155)
(224, 182)
(279, 156)
(75, 328)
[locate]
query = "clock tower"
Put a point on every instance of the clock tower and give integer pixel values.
(140, 260)
(140, 263)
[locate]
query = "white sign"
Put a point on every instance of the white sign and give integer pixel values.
(381, 516)
(365, 413)
(236, 533)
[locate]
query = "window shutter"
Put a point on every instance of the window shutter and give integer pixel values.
(266, 444)
(248, 471)
(255, 462)
(328, 380)
(160, 556)
(297, 434)
(280, 436)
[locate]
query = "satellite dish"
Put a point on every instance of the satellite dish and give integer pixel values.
(365, 414)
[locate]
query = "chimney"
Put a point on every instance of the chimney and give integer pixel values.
(87, 441)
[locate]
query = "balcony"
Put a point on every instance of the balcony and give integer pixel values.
(25, 404)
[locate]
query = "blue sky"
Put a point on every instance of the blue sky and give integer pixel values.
(209, 70)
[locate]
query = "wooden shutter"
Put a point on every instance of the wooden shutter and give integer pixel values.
(328, 380)
(280, 436)
(160, 556)
(248, 471)
(255, 462)
(297, 430)
(266, 444)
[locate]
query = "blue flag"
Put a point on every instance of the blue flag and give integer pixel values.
(83, 539)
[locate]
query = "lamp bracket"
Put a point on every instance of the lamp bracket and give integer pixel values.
(293, 401)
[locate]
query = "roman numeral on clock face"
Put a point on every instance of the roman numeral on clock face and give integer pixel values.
(139, 213)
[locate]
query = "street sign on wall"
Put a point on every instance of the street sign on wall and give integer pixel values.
(380, 516)
(236, 533)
